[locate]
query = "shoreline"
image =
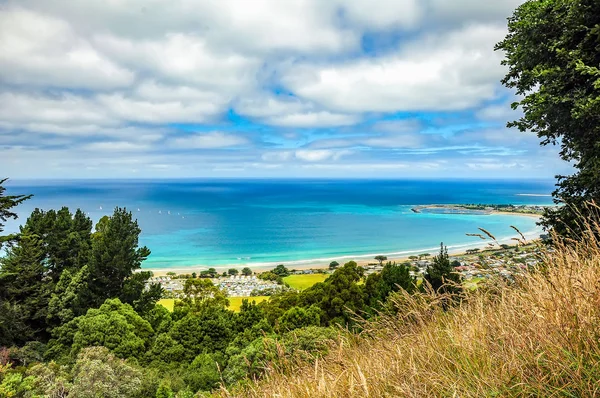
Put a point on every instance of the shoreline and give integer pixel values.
(360, 259)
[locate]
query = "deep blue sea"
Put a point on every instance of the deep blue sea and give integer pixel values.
(295, 222)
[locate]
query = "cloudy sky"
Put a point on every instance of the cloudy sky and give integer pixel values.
(259, 88)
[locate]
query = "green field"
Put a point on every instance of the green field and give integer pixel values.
(302, 282)
(167, 303)
(234, 302)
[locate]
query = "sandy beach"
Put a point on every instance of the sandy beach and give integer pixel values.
(359, 259)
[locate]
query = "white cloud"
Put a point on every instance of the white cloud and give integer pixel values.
(58, 113)
(39, 50)
(466, 11)
(314, 119)
(132, 109)
(441, 72)
(499, 112)
(287, 111)
(182, 57)
(115, 146)
(319, 155)
(398, 126)
(100, 77)
(281, 156)
(385, 14)
(262, 105)
(209, 140)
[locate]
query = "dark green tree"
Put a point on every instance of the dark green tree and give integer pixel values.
(340, 296)
(281, 270)
(203, 373)
(381, 259)
(554, 65)
(441, 275)
(114, 325)
(233, 271)
(246, 271)
(208, 331)
(115, 256)
(24, 281)
(392, 278)
(7, 203)
(298, 317)
(333, 265)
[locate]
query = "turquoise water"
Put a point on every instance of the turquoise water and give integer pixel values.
(297, 222)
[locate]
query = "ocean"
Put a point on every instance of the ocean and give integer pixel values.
(223, 223)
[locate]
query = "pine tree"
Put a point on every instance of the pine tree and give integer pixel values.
(7, 202)
(115, 256)
(23, 281)
(441, 274)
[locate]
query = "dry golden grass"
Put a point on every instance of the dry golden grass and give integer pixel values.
(536, 338)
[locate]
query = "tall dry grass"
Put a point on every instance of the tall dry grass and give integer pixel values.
(538, 337)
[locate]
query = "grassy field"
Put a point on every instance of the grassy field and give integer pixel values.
(302, 282)
(234, 302)
(167, 303)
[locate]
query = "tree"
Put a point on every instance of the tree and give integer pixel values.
(23, 281)
(281, 270)
(208, 331)
(203, 373)
(392, 278)
(7, 202)
(246, 271)
(115, 256)
(66, 238)
(165, 350)
(553, 63)
(381, 259)
(333, 265)
(97, 373)
(298, 317)
(200, 294)
(164, 391)
(115, 326)
(233, 271)
(441, 274)
(339, 296)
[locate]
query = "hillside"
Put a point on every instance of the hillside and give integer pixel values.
(537, 337)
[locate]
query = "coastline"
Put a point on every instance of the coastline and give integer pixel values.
(323, 263)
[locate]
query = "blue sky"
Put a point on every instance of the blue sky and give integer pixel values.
(259, 88)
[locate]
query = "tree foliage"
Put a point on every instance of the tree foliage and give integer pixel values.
(7, 203)
(441, 275)
(554, 65)
(392, 278)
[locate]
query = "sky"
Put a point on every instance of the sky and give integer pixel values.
(260, 89)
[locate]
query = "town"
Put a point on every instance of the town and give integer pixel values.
(474, 266)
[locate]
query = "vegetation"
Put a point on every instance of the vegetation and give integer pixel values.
(79, 317)
(381, 259)
(553, 64)
(304, 281)
(533, 338)
(440, 274)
